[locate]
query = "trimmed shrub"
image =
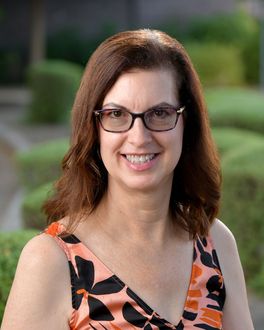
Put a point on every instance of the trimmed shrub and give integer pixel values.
(11, 245)
(242, 204)
(42, 163)
(230, 139)
(216, 64)
(32, 214)
(237, 29)
(234, 28)
(54, 85)
(236, 107)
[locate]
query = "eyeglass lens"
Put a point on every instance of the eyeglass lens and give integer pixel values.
(119, 120)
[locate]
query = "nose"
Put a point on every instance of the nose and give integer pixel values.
(139, 134)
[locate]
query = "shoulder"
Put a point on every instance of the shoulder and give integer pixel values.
(43, 255)
(222, 236)
(225, 245)
(44, 252)
(236, 310)
(41, 284)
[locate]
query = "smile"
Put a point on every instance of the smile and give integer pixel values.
(139, 159)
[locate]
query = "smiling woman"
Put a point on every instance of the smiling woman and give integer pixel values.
(133, 241)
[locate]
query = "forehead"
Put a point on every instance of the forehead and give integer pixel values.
(142, 88)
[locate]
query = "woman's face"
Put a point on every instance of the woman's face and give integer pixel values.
(140, 159)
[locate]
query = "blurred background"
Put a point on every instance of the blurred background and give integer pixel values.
(44, 46)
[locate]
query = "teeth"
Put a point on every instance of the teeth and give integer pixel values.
(136, 159)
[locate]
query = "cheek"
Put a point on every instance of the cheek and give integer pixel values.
(109, 145)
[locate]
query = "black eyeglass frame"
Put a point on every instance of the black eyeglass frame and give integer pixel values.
(141, 115)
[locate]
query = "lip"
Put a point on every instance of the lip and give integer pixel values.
(140, 166)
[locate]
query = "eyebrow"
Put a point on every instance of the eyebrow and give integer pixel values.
(115, 105)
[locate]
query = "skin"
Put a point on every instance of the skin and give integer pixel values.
(133, 219)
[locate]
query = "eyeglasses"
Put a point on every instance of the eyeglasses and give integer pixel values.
(157, 119)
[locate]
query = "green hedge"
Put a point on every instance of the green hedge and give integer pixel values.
(217, 65)
(238, 29)
(42, 163)
(234, 28)
(236, 107)
(32, 214)
(11, 245)
(242, 205)
(230, 139)
(54, 85)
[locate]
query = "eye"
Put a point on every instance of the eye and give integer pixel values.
(161, 113)
(114, 113)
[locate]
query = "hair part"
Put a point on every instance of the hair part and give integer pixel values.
(195, 194)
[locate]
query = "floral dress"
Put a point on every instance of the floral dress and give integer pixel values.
(101, 300)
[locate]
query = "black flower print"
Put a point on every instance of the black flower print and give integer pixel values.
(83, 286)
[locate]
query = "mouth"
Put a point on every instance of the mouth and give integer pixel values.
(140, 159)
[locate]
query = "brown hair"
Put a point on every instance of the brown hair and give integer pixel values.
(196, 185)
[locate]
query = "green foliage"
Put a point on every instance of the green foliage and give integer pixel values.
(11, 245)
(216, 64)
(234, 28)
(236, 107)
(257, 282)
(70, 45)
(33, 216)
(251, 57)
(242, 204)
(54, 85)
(42, 163)
(239, 30)
(229, 139)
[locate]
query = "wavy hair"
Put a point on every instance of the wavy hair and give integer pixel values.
(195, 195)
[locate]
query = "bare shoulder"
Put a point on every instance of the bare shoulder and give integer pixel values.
(222, 237)
(41, 284)
(236, 310)
(40, 248)
(226, 248)
(42, 253)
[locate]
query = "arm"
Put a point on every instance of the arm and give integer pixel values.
(40, 297)
(236, 314)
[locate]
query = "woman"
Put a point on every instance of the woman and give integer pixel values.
(134, 211)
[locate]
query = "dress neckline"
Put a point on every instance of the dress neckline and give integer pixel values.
(136, 297)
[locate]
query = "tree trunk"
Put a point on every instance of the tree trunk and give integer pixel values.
(37, 42)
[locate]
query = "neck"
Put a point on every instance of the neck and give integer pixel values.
(144, 215)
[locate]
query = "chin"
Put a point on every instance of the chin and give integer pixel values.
(144, 185)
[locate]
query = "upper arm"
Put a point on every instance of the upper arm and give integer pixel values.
(40, 296)
(236, 313)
